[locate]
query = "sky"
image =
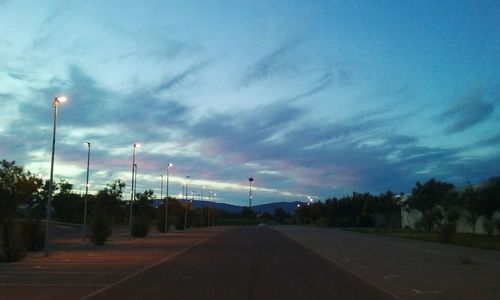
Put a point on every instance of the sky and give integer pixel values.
(310, 98)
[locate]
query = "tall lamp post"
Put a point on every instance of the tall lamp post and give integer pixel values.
(202, 207)
(161, 187)
(166, 200)
(213, 213)
(250, 180)
(186, 204)
(132, 191)
(86, 193)
(57, 100)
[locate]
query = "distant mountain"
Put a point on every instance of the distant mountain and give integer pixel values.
(288, 207)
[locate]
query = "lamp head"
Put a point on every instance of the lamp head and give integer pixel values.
(61, 99)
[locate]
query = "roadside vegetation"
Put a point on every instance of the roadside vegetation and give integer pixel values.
(23, 207)
(461, 239)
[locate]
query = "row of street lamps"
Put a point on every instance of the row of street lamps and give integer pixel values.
(61, 99)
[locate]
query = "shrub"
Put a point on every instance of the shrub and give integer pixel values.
(13, 248)
(34, 235)
(446, 232)
(100, 229)
(322, 222)
(140, 226)
(488, 226)
(365, 220)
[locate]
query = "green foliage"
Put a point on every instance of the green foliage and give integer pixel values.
(141, 225)
(488, 226)
(100, 228)
(34, 234)
(489, 198)
(17, 187)
(13, 245)
(280, 215)
(322, 222)
(434, 199)
(446, 232)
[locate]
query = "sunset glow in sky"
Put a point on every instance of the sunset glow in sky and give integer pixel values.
(310, 98)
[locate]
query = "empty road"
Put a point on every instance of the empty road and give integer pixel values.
(243, 263)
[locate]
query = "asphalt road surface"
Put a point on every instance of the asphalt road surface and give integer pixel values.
(243, 263)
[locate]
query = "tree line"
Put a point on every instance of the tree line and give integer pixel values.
(439, 204)
(23, 208)
(24, 197)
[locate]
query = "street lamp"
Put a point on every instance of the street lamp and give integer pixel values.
(132, 191)
(161, 188)
(166, 200)
(86, 193)
(202, 207)
(57, 100)
(213, 206)
(250, 180)
(186, 204)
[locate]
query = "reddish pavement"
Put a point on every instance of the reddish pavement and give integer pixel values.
(215, 263)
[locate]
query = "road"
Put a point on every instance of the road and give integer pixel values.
(244, 263)
(282, 262)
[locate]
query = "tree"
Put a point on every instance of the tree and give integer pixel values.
(68, 206)
(17, 187)
(471, 201)
(489, 203)
(280, 215)
(143, 214)
(432, 199)
(107, 205)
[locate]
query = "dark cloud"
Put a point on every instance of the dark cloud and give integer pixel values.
(176, 80)
(492, 141)
(470, 110)
(271, 64)
(328, 154)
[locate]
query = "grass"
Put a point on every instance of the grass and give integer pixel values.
(462, 239)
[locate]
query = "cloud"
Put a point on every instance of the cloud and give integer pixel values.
(469, 111)
(271, 64)
(179, 78)
(492, 141)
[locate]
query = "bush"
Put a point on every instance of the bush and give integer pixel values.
(34, 235)
(100, 229)
(446, 232)
(497, 225)
(140, 226)
(322, 222)
(365, 220)
(488, 226)
(13, 248)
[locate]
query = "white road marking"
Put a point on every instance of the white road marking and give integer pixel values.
(53, 285)
(427, 292)
(148, 268)
(388, 277)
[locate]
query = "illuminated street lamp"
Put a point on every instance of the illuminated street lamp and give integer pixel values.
(86, 193)
(186, 204)
(213, 206)
(166, 200)
(203, 206)
(57, 100)
(250, 180)
(161, 187)
(132, 191)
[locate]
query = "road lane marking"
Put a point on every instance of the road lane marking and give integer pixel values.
(148, 267)
(427, 292)
(388, 277)
(52, 285)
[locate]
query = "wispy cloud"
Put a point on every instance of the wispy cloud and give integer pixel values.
(276, 62)
(470, 110)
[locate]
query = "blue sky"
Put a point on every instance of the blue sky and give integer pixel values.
(311, 98)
